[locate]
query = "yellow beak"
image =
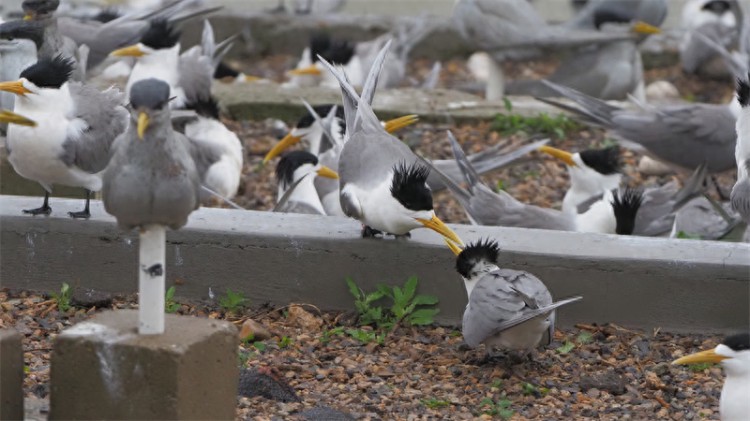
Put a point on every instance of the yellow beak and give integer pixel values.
(13, 118)
(142, 124)
(455, 248)
(131, 51)
(560, 154)
(327, 172)
(401, 122)
(249, 78)
(288, 141)
(644, 28)
(438, 226)
(28, 17)
(309, 70)
(14, 88)
(709, 356)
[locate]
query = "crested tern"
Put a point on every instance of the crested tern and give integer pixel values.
(298, 170)
(507, 309)
(382, 183)
(733, 353)
(19, 43)
(76, 125)
(614, 213)
(151, 178)
(684, 136)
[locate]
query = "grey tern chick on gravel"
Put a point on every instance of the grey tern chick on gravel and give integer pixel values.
(151, 179)
(76, 126)
(508, 309)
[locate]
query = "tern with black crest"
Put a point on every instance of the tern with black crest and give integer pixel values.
(382, 182)
(76, 125)
(507, 309)
(298, 170)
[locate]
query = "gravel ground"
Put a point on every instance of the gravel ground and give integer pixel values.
(589, 372)
(540, 180)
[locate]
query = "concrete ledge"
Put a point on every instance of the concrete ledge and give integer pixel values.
(678, 285)
(257, 101)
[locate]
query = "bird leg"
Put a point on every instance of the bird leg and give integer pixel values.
(84, 214)
(43, 210)
(368, 232)
(401, 236)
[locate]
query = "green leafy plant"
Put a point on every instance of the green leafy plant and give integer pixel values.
(584, 338)
(285, 342)
(500, 408)
(170, 305)
(500, 185)
(688, 236)
(566, 347)
(406, 305)
(697, 368)
(542, 123)
(328, 334)
(496, 384)
(62, 299)
(233, 301)
(367, 336)
(433, 403)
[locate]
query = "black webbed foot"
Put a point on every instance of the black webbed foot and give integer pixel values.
(42, 210)
(368, 232)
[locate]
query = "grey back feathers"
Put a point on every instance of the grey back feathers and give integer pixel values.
(151, 180)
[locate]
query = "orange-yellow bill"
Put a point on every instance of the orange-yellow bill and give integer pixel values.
(327, 172)
(288, 141)
(439, 226)
(401, 122)
(709, 356)
(15, 87)
(560, 154)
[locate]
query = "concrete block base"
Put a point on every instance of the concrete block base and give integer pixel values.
(102, 369)
(11, 381)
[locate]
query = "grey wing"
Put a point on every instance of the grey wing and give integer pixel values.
(176, 185)
(367, 158)
(104, 119)
(656, 214)
(125, 188)
(501, 209)
(204, 155)
(499, 300)
(696, 53)
(686, 136)
(196, 73)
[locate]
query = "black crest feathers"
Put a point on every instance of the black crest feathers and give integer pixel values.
(206, 107)
(289, 163)
(604, 161)
(482, 250)
(739, 342)
(743, 91)
(160, 34)
(409, 186)
(49, 72)
(625, 206)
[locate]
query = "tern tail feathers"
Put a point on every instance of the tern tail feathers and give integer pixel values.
(285, 197)
(349, 96)
(694, 187)
(462, 195)
(593, 108)
(470, 174)
(534, 313)
(371, 83)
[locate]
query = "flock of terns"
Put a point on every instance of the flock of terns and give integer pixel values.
(160, 150)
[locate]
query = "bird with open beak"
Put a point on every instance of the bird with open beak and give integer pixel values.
(151, 178)
(734, 355)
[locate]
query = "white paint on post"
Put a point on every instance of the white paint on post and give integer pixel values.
(151, 273)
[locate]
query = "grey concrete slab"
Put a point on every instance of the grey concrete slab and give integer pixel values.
(682, 285)
(103, 370)
(11, 381)
(257, 101)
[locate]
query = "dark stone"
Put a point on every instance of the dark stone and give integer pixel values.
(325, 413)
(661, 369)
(266, 383)
(609, 381)
(87, 298)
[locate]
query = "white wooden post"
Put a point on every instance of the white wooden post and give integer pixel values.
(151, 274)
